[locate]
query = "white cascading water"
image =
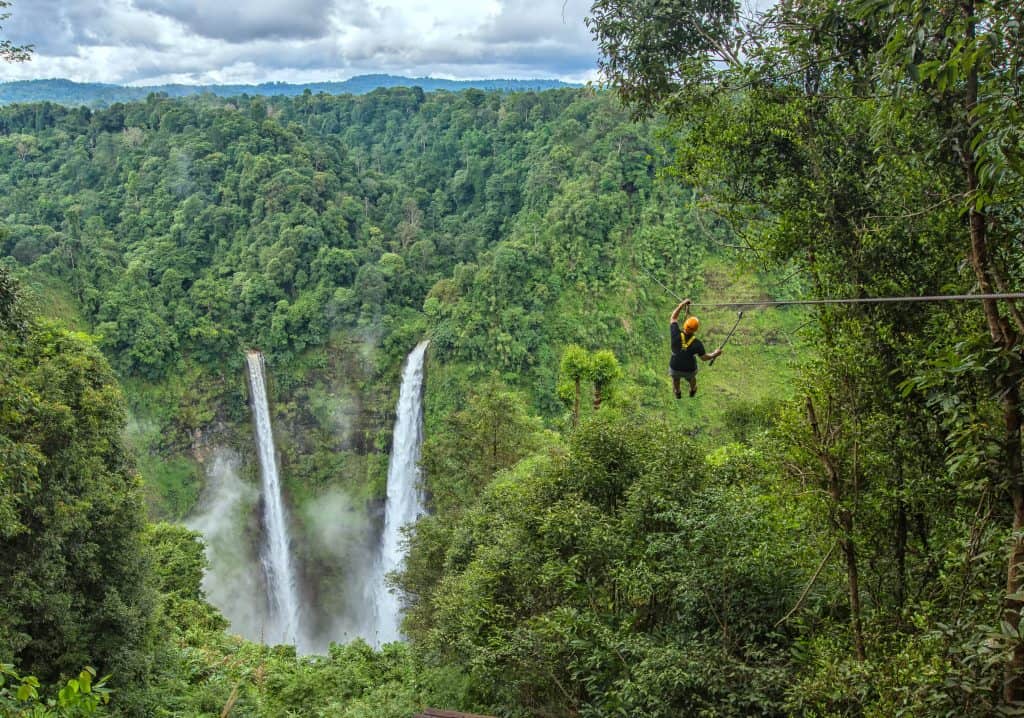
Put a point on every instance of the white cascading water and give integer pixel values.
(275, 553)
(404, 498)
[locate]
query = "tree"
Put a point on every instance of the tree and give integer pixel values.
(492, 432)
(10, 52)
(968, 70)
(179, 562)
(574, 366)
(603, 371)
(12, 314)
(650, 49)
(74, 581)
(604, 580)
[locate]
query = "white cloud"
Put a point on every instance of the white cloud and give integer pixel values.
(222, 20)
(204, 41)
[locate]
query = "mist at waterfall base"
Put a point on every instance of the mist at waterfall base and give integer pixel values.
(340, 534)
(223, 518)
(341, 558)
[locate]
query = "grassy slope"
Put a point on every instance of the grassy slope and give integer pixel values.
(756, 369)
(50, 297)
(735, 395)
(759, 363)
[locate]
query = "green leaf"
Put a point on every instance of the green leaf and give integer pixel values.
(27, 692)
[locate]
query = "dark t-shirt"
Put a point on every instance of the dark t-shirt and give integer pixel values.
(684, 359)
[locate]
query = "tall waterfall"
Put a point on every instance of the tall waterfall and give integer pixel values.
(275, 553)
(404, 499)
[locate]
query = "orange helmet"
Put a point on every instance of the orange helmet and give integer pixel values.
(690, 325)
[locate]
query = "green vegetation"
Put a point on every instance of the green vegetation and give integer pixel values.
(831, 527)
(624, 574)
(80, 696)
(875, 149)
(332, 233)
(73, 569)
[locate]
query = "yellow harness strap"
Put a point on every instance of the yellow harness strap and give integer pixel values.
(686, 342)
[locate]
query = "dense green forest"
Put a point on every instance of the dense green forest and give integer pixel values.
(831, 527)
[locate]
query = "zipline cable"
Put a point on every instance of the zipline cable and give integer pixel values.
(760, 304)
(756, 304)
(655, 280)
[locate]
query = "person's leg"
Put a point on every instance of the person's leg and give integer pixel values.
(675, 387)
(693, 385)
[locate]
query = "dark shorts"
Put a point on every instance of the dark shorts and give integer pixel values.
(675, 374)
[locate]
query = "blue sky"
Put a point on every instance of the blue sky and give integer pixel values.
(247, 41)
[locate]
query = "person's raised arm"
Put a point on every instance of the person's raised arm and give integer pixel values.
(675, 312)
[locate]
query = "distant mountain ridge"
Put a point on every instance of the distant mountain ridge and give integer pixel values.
(94, 94)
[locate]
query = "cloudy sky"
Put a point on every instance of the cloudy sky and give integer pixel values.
(143, 42)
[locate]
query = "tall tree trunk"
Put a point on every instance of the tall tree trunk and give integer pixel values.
(1013, 685)
(1007, 384)
(844, 521)
(901, 554)
(1005, 337)
(853, 583)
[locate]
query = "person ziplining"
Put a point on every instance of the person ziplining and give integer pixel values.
(686, 348)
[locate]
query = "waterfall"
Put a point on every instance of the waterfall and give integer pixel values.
(404, 499)
(275, 553)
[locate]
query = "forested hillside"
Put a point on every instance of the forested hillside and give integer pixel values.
(331, 233)
(98, 95)
(830, 527)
